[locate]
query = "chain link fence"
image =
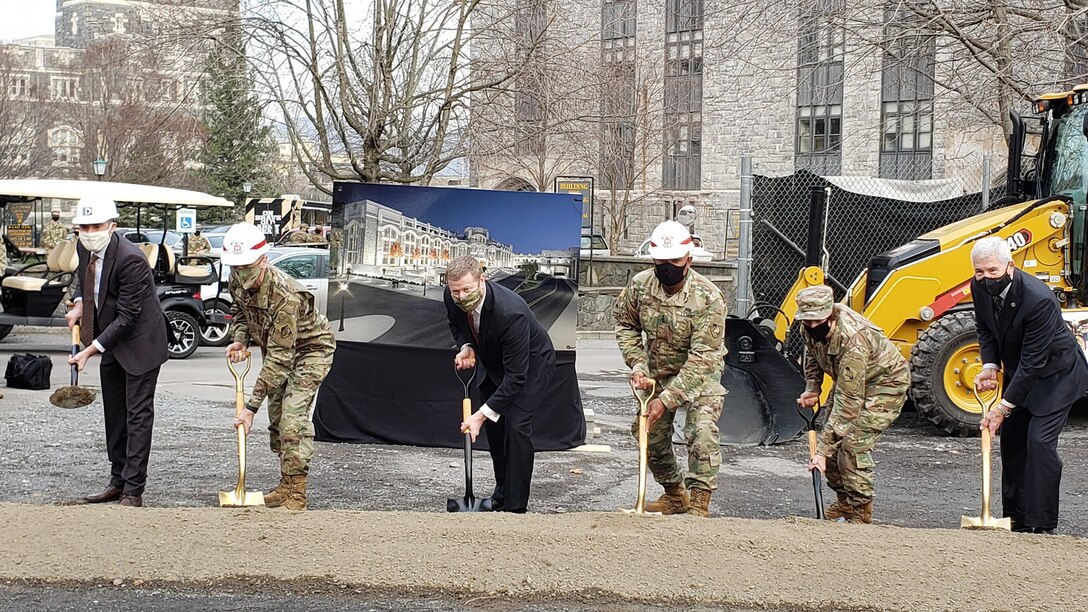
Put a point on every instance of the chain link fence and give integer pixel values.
(866, 216)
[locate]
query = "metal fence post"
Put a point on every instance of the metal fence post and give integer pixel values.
(744, 250)
(985, 183)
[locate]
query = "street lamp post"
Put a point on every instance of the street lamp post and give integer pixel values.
(99, 166)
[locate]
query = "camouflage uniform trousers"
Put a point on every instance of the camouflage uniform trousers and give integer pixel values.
(702, 439)
(850, 471)
(291, 432)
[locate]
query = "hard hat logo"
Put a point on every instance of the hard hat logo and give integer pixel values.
(667, 242)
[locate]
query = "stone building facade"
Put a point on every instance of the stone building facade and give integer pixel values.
(673, 94)
(50, 71)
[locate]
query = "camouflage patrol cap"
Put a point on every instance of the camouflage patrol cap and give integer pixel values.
(814, 303)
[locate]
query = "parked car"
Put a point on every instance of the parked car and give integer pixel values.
(153, 236)
(307, 265)
(595, 244)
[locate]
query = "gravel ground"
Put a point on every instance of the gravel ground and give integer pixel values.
(406, 553)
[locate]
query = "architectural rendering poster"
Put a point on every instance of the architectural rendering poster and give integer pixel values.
(393, 379)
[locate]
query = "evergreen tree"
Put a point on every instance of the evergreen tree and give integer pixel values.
(240, 146)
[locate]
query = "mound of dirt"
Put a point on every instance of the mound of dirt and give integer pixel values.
(794, 563)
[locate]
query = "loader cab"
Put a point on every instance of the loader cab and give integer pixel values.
(1059, 167)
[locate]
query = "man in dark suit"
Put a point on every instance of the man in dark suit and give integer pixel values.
(121, 319)
(493, 324)
(1020, 327)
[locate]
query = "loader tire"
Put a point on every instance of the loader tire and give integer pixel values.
(943, 365)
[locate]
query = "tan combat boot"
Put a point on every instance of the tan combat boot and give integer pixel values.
(862, 513)
(296, 493)
(700, 503)
(841, 509)
(673, 501)
(275, 497)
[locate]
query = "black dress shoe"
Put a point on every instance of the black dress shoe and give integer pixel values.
(1045, 531)
(132, 501)
(490, 504)
(110, 493)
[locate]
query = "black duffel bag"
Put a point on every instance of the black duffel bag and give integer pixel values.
(29, 371)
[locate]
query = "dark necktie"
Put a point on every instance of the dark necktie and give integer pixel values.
(999, 303)
(472, 328)
(86, 329)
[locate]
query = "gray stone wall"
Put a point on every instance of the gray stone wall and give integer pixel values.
(600, 282)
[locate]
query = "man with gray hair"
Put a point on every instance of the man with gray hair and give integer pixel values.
(494, 325)
(1021, 331)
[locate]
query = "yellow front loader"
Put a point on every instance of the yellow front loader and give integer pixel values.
(920, 293)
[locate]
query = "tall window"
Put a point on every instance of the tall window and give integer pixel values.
(63, 88)
(530, 23)
(819, 92)
(683, 94)
(906, 146)
(1076, 47)
(64, 141)
(17, 87)
(617, 154)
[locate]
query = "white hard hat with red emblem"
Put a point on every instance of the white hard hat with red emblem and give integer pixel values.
(243, 244)
(670, 240)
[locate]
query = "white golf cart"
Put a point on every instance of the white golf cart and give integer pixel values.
(33, 293)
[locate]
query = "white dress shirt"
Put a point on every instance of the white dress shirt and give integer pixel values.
(993, 366)
(476, 314)
(97, 294)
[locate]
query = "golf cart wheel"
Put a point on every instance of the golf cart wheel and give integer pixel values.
(5, 330)
(214, 335)
(186, 334)
(943, 366)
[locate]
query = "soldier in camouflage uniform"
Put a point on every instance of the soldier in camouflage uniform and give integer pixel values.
(54, 231)
(682, 315)
(275, 312)
(871, 380)
(299, 236)
(199, 245)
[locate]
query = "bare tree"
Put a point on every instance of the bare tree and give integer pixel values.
(133, 109)
(390, 105)
(26, 118)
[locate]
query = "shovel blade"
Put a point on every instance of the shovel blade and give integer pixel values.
(71, 397)
(231, 499)
(978, 522)
(464, 504)
(636, 512)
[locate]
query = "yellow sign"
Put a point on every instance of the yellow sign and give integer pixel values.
(21, 235)
(20, 211)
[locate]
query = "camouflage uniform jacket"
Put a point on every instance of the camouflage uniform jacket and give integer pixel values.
(280, 317)
(865, 366)
(199, 245)
(684, 349)
(52, 233)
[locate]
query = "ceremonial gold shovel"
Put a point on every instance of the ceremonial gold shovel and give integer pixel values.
(239, 496)
(643, 451)
(986, 520)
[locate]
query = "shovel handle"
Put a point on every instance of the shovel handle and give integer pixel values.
(239, 383)
(466, 409)
(75, 350)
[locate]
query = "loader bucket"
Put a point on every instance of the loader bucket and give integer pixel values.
(763, 386)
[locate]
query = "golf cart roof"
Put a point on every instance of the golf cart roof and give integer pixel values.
(24, 190)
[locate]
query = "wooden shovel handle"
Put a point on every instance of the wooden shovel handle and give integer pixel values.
(466, 409)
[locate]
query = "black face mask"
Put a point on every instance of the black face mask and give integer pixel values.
(669, 274)
(819, 332)
(56, 218)
(994, 286)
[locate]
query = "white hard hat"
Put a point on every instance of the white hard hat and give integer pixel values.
(243, 244)
(670, 240)
(92, 210)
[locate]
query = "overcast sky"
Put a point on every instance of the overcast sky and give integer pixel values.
(25, 18)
